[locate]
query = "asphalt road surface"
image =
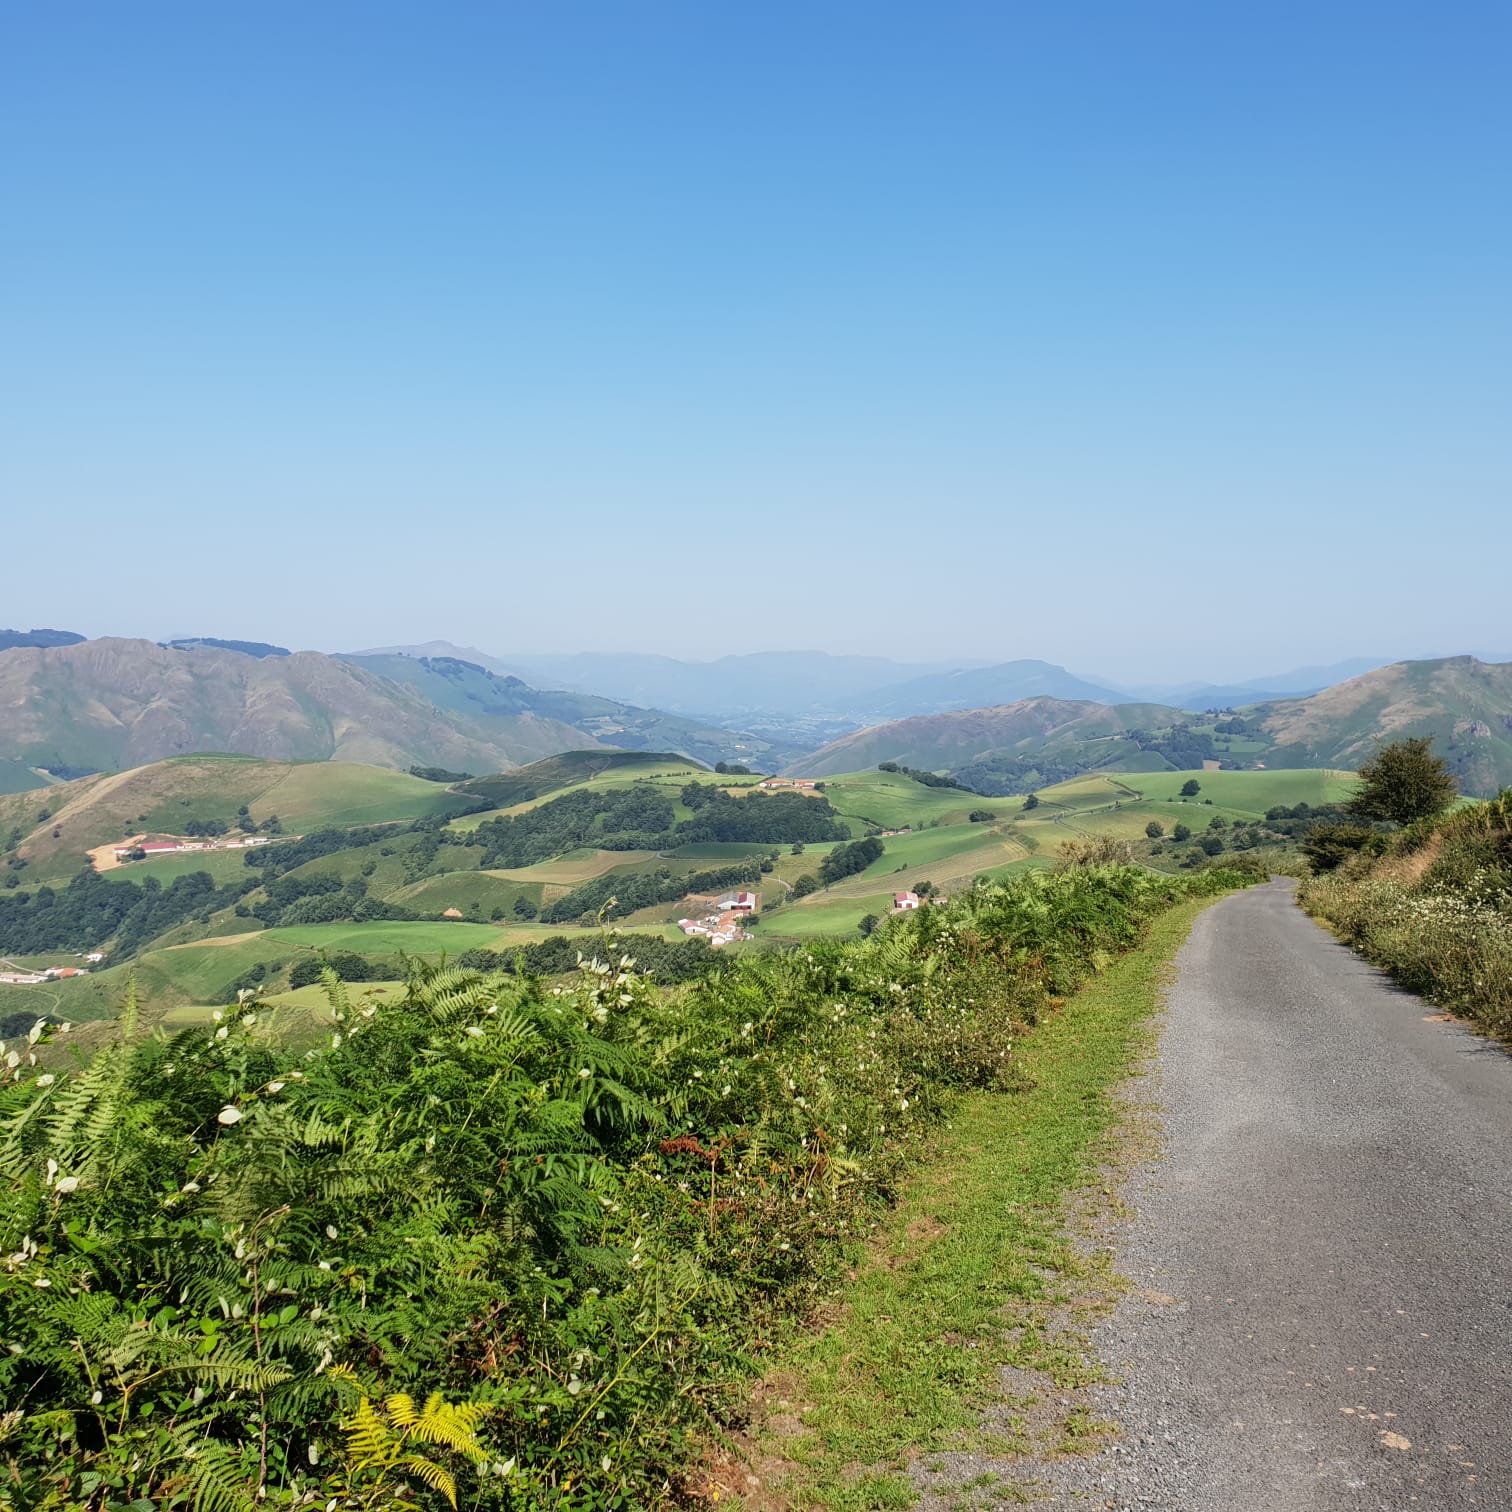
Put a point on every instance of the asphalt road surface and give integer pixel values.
(1322, 1256)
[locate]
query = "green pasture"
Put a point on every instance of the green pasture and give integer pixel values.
(467, 890)
(389, 937)
(890, 800)
(1246, 793)
(17, 777)
(726, 852)
(947, 867)
(224, 866)
(313, 794)
(419, 938)
(821, 914)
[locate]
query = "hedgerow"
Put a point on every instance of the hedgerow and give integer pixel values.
(499, 1240)
(1433, 906)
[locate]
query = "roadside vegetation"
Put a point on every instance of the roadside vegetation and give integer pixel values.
(494, 1240)
(1422, 890)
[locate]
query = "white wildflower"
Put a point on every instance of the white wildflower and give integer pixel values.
(46, 1079)
(229, 1115)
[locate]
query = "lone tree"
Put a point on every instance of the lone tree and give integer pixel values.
(1190, 788)
(1154, 829)
(1032, 801)
(1404, 781)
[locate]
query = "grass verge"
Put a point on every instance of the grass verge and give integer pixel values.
(973, 1262)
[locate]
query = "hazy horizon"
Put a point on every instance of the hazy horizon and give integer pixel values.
(1164, 345)
(1135, 676)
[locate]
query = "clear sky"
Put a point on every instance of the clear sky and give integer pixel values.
(1161, 339)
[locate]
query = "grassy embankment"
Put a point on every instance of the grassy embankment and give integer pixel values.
(971, 1263)
(1435, 910)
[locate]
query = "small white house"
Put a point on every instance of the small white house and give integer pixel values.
(738, 902)
(905, 900)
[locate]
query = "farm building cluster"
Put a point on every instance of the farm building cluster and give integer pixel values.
(150, 848)
(788, 782)
(50, 973)
(721, 925)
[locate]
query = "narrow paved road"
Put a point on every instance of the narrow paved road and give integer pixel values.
(1323, 1254)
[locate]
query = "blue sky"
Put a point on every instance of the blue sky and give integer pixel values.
(1170, 339)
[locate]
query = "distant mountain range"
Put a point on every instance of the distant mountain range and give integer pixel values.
(797, 688)
(10, 639)
(963, 738)
(1463, 704)
(68, 705)
(726, 690)
(108, 705)
(469, 688)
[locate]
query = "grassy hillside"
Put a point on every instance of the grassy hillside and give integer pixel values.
(1464, 705)
(17, 777)
(161, 798)
(936, 742)
(542, 778)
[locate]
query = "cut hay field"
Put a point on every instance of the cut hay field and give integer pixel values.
(577, 866)
(390, 937)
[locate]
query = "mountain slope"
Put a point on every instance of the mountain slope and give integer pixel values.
(9, 639)
(958, 738)
(163, 797)
(728, 689)
(984, 687)
(112, 704)
(472, 689)
(1464, 705)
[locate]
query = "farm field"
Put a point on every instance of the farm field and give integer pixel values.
(1250, 792)
(425, 938)
(224, 866)
(891, 800)
(576, 866)
(162, 798)
(821, 914)
(475, 893)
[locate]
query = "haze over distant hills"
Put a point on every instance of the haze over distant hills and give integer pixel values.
(469, 688)
(109, 704)
(1464, 705)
